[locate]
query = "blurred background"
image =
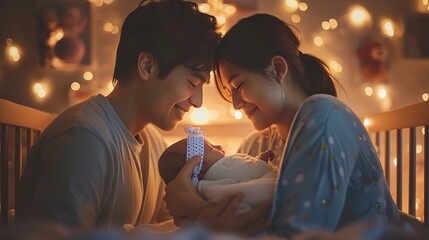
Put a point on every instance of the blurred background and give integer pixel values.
(55, 53)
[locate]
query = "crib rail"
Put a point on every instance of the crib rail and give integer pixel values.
(402, 139)
(19, 128)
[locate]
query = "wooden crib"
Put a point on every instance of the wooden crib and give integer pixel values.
(20, 126)
(402, 139)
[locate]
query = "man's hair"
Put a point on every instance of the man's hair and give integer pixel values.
(171, 161)
(174, 31)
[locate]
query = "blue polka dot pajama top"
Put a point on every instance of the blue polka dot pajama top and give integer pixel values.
(331, 174)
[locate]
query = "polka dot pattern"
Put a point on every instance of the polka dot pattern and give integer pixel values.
(195, 146)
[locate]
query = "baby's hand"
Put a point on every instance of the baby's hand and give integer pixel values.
(266, 156)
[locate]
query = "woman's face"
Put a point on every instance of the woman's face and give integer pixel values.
(260, 97)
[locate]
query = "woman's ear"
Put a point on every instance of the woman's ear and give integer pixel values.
(279, 64)
(145, 65)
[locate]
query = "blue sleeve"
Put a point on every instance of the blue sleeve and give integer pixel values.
(316, 169)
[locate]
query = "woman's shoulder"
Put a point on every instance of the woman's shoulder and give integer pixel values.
(323, 103)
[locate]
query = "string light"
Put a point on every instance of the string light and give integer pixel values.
(425, 97)
(75, 86)
(291, 5)
(218, 9)
(359, 16)
(382, 93)
(419, 149)
(13, 53)
(326, 25)
(388, 28)
(366, 122)
(333, 23)
(238, 115)
(296, 18)
(318, 41)
(88, 76)
(368, 91)
(39, 90)
(303, 7)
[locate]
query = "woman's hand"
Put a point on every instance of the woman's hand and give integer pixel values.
(222, 217)
(181, 196)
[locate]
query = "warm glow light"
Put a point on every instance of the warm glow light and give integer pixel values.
(292, 5)
(238, 115)
(107, 1)
(303, 7)
(423, 131)
(204, 7)
(318, 41)
(368, 91)
(88, 76)
(230, 9)
(388, 28)
(39, 90)
(425, 97)
(326, 25)
(115, 30)
(14, 53)
(395, 161)
(221, 19)
(359, 16)
(75, 86)
(108, 27)
(98, 3)
(382, 93)
(425, 2)
(335, 66)
(296, 18)
(333, 23)
(200, 115)
(366, 122)
(419, 149)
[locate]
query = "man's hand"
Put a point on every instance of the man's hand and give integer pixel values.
(181, 195)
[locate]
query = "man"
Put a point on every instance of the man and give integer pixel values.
(96, 164)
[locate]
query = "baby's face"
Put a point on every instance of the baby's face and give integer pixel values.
(212, 154)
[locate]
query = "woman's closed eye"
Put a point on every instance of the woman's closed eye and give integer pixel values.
(192, 84)
(238, 88)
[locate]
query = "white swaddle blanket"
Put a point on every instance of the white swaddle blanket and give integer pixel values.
(236, 173)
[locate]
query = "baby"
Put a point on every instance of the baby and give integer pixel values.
(221, 175)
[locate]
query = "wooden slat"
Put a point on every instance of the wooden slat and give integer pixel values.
(426, 180)
(19, 115)
(4, 201)
(412, 180)
(411, 116)
(399, 168)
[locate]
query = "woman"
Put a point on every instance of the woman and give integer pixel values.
(330, 175)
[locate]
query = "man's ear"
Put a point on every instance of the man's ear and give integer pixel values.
(280, 67)
(145, 64)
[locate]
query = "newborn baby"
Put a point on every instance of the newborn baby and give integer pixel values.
(221, 175)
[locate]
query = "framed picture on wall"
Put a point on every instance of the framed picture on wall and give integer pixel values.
(64, 33)
(416, 36)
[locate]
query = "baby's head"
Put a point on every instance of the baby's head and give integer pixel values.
(174, 157)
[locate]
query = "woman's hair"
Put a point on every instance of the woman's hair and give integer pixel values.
(174, 31)
(255, 40)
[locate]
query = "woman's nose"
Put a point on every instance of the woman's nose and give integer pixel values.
(237, 102)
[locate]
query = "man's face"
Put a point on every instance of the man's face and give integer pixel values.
(170, 98)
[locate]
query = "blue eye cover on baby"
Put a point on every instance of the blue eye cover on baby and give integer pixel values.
(195, 146)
